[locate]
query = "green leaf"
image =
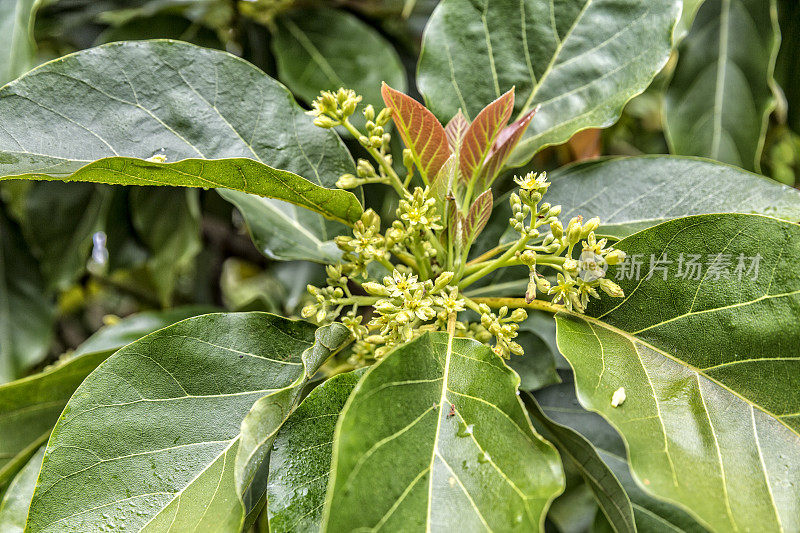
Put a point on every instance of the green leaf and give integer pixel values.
(268, 414)
(173, 241)
(788, 62)
(325, 49)
(581, 60)
(708, 362)
(422, 134)
(628, 193)
(217, 120)
(26, 313)
(111, 338)
(481, 134)
(607, 490)
(17, 47)
(300, 462)
(560, 404)
(14, 505)
(452, 448)
(150, 438)
(63, 249)
(283, 232)
(30, 406)
(720, 97)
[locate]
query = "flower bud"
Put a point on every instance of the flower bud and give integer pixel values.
(519, 315)
(375, 289)
(383, 117)
(591, 225)
(369, 112)
(528, 258)
(308, 311)
(326, 122)
(557, 229)
(364, 169)
(615, 257)
(442, 281)
(574, 230)
(611, 288)
(543, 285)
(347, 181)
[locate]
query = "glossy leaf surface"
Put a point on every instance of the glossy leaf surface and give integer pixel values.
(324, 49)
(453, 448)
(582, 60)
(708, 360)
(150, 439)
(16, 40)
(608, 491)
(299, 465)
(14, 505)
(694, 186)
(652, 515)
(720, 96)
(218, 121)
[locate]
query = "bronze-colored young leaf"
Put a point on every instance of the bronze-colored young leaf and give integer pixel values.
(455, 130)
(420, 131)
(504, 144)
(481, 134)
(479, 213)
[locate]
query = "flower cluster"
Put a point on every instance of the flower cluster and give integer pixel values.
(406, 304)
(393, 285)
(331, 109)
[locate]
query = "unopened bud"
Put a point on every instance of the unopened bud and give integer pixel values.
(591, 225)
(557, 229)
(528, 258)
(383, 117)
(347, 181)
(615, 257)
(442, 280)
(326, 122)
(308, 311)
(611, 288)
(369, 112)
(519, 315)
(375, 289)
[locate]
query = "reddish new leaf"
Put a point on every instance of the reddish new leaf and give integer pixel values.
(481, 135)
(456, 129)
(504, 145)
(479, 213)
(420, 131)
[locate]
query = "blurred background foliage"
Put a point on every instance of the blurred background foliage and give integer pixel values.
(75, 258)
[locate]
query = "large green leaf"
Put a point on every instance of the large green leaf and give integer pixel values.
(709, 363)
(30, 406)
(608, 491)
(17, 46)
(282, 231)
(581, 60)
(721, 94)
(26, 314)
(219, 121)
(324, 49)
(300, 462)
(14, 505)
(150, 438)
(628, 194)
(560, 405)
(452, 448)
